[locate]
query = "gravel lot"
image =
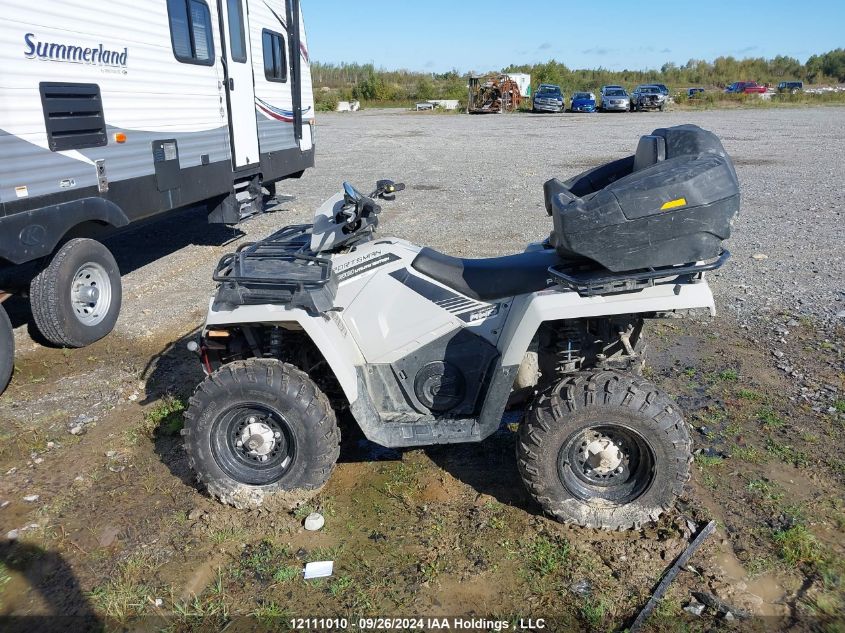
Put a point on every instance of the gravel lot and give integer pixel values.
(475, 189)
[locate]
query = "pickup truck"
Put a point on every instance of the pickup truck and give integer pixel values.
(647, 97)
(745, 87)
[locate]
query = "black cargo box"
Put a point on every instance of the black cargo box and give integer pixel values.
(671, 203)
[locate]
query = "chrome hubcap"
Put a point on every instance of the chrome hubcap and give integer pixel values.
(90, 294)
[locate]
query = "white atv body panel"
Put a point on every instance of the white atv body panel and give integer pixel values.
(389, 323)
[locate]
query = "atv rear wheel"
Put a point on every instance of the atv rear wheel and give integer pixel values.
(604, 450)
(260, 431)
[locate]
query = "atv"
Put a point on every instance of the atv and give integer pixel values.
(423, 348)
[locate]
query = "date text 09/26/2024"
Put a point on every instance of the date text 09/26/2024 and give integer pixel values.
(415, 623)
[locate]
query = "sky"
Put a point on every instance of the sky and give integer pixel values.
(482, 35)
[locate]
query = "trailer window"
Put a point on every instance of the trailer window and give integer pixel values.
(236, 30)
(191, 32)
(275, 60)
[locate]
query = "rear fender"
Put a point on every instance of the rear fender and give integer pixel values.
(327, 332)
(530, 311)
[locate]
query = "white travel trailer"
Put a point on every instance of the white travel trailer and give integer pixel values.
(115, 112)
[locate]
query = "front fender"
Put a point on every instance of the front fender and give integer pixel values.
(327, 332)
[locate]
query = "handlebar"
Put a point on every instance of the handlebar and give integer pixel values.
(358, 206)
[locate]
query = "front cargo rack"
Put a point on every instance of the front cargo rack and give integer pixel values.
(279, 270)
(589, 281)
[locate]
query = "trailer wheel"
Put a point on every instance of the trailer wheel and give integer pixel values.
(260, 432)
(76, 299)
(604, 450)
(7, 349)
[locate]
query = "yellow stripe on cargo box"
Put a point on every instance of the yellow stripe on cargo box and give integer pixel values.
(674, 204)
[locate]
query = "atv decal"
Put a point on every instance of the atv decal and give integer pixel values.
(466, 309)
(370, 262)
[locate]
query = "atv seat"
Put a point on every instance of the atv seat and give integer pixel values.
(492, 278)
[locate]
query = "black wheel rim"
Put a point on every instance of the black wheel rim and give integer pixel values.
(253, 444)
(610, 462)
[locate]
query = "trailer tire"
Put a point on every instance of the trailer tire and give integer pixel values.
(254, 409)
(604, 450)
(76, 298)
(7, 349)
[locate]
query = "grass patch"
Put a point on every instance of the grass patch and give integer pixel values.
(768, 490)
(707, 461)
(165, 417)
(798, 546)
(270, 614)
(770, 419)
(197, 613)
(340, 585)
(728, 375)
(286, 573)
(787, 453)
(431, 570)
(750, 454)
(402, 483)
(547, 556)
(592, 612)
(302, 511)
(228, 534)
(750, 394)
(839, 405)
(266, 562)
(125, 594)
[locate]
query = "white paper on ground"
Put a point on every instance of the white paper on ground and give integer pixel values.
(319, 569)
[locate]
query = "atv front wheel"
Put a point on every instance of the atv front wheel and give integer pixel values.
(604, 450)
(258, 431)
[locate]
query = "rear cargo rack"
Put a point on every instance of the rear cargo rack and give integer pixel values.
(279, 269)
(589, 281)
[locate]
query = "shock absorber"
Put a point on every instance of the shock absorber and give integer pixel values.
(273, 348)
(561, 348)
(568, 346)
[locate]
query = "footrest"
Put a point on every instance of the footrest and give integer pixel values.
(589, 281)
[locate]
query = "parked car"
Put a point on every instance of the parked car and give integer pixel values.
(792, 87)
(616, 99)
(548, 98)
(606, 88)
(648, 98)
(693, 93)
(583, 102)
(664, 90)
(745, 87)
